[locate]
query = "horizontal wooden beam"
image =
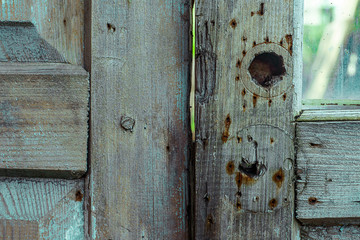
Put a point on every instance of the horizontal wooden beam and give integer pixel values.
(329, 115)
(43, 120)
(328, 173)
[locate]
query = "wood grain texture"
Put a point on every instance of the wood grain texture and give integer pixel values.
(43, 120)
(61, 23)
(41, 209)
(343, 232)
(328, 181)
(244, 136)
(139, 119)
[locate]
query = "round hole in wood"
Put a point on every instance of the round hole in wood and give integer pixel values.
(266, 69)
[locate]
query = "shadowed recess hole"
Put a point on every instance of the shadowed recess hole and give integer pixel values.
(267, 69)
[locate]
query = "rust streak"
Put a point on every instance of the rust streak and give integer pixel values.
(255, 96)
(238, 179)
(243, 92)
(226, 133)
(289, 41)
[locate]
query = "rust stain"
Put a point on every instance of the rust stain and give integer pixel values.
(278, 178)
(267, 40)
(244, 107)
(281, 42)
(239, 139)
(254, 44)
(261, 10)
(238, 63)
(244, 53)
(226, 133)
(313, 200)
(269, 103)
(230, 167)
(289, 41)
(238, 204)
(241, 179)
(237, 78)
(233, 23)
(238, 179)
(247, 180)
(244, 38)
(284, 96)
(271, 140)
(78, 196)
(255, 96)
(209, 222)
(273, 203)
(316, 145)
(243, 92)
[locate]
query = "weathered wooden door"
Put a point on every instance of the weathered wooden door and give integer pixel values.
(257, 171)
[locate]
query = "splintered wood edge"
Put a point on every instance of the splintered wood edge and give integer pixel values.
(42, 69)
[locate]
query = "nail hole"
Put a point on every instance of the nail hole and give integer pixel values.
(111, 27)
(233, 23)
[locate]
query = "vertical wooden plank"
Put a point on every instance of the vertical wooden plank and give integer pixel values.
(139, 119)
(246, 97)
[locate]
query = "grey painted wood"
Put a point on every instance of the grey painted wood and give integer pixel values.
(244, 136)
(328, 174)
(41, 209)
(43, 120)
(140, 57)
(343, 232)
(20, 42)
(60, 23)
